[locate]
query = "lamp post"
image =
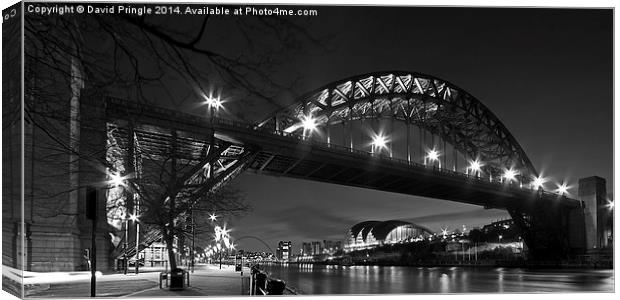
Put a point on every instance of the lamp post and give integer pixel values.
(221, 235)
(134, 218)
(193, 240)
(125, 258)
(117, 180)
(219, 253)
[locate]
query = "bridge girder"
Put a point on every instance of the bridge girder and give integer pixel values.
(287, 154)
(421, 100)
(144, 152)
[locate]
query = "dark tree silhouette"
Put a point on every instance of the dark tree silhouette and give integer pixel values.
(165, 60)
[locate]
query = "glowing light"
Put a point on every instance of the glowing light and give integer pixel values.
(444, 232)
(433, 155)
(225, 231)
(116, 179)
(212, 217)
(218, 233)
(510, 174)
(610, 204)
(379, 141)
(538, 182)
(214, 102)
(309, 123)
(475, 165)
(133, 217)
(562, 189)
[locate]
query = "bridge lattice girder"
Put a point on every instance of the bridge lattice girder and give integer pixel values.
(262, 147)
(424, 101)
(144, 151)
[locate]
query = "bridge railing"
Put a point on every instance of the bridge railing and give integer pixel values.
(255, 129)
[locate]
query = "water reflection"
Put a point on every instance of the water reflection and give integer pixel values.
(318, 279)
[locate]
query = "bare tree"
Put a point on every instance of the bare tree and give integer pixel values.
(166, 60)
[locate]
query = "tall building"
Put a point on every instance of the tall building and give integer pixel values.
(284, 252)
(317, 248)
(306, 249)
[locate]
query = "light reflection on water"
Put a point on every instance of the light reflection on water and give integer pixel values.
(320, 279)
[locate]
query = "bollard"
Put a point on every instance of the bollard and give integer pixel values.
(251, 291)
(261, 280)
(275, 287)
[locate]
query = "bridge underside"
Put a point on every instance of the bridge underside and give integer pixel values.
(546, 220)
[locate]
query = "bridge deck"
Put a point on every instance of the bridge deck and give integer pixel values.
(283, 154)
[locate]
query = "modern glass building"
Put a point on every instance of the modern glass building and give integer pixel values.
(370, 234)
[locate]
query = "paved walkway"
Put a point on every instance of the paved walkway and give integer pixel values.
(207, 280)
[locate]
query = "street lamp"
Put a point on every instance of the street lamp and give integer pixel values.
(309, 124)
(212, 217)
(125, 246)
(510, 175)
(562, 189)
(221, 235)
(134, 218)
(433, 155)
(444, 232)
(214, 104)
(116, 180)
(379, 142)
(538, 182)
(475, 167)
(219, 253)
(610, 204)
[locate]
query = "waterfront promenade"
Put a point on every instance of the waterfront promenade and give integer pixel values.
(207, 280)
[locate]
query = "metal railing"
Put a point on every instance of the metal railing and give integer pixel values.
(261, 284)
(267, 132)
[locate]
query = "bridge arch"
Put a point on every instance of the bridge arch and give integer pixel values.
(433, 105)
(256, 239)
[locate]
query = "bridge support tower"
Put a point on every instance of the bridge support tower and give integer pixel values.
(597, 214)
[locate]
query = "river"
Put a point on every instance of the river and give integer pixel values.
(322, 279)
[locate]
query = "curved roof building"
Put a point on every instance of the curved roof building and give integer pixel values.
(375, 233)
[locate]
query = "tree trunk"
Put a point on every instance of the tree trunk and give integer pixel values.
(170, 246)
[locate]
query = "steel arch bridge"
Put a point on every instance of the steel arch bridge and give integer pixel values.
(433, 105)
(325, 136)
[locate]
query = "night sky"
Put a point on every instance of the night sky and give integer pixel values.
(546, 73)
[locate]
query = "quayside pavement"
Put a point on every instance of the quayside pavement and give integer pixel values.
(207, 280)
